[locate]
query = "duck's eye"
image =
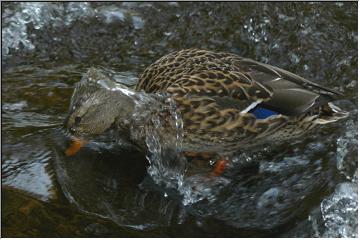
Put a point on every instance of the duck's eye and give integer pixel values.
(77, 120)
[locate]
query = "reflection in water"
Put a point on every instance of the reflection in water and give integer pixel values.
(104, 181)
(26, 158)
(21, 167)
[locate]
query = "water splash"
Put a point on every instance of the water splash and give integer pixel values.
(156, 118)
(346, 151)
(200, 187)
(157, 128)
(16, 33)
(339, 212)
(158, 122)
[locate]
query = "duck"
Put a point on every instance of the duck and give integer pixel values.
(227, 103)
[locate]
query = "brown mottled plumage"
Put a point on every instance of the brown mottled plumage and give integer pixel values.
(215, 94)
(212, 90)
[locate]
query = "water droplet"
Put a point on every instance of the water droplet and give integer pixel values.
(138, 22)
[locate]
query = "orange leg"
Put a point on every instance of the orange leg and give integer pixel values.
(220, 167)
(220, 164)
(75, 146)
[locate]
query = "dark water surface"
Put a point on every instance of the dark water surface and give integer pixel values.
(306, 188)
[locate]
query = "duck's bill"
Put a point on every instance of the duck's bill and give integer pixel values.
(75, 146)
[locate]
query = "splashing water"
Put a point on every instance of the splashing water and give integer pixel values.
(339, 212)
(346, 149)
(39, 15)
(163, 137)
(155, 123)
(157, 127)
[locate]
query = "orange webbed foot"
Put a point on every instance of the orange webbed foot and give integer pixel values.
(220, 166)
(75, 146)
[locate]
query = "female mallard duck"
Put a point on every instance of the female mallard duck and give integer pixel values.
(226, 102)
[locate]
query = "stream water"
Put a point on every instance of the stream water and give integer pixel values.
(303, 188)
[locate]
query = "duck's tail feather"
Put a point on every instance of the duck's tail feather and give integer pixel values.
(331, 113)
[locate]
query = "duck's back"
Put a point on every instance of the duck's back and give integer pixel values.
(214, 84)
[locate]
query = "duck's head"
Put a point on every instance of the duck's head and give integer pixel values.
(98, 112)
(97, 105)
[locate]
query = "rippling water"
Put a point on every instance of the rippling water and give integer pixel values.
(307, 188)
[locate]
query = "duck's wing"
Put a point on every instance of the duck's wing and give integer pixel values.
(291, 94)
(201, 73)
(205, 73)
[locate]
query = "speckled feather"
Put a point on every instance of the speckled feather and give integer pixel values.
(212, 90)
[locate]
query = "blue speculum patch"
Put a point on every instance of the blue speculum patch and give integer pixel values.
(262, 113)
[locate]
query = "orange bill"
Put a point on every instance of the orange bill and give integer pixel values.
(75, 146)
